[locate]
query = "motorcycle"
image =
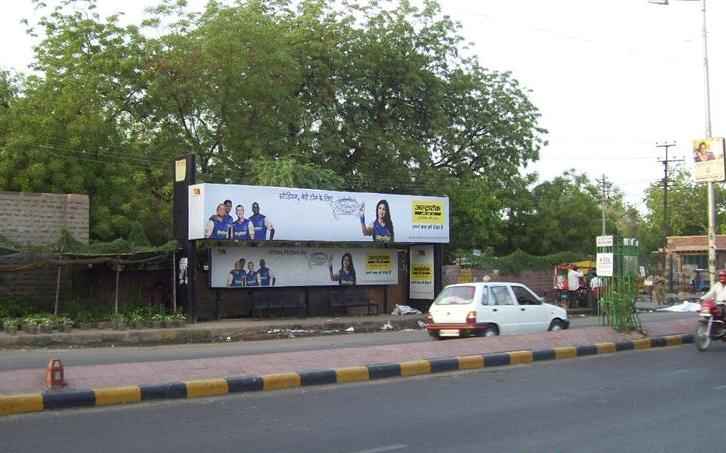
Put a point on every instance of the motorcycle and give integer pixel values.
(711, 324)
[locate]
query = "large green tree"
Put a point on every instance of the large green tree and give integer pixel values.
(370, 96)
(564, 214)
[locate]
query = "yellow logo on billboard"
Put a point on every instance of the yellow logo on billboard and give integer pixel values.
(428, 212)
(379, 262)
(422, 273)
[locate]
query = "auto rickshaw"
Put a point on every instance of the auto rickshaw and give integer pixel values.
(561, 284)
(701, 281)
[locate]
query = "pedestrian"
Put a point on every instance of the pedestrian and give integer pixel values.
(573, 284)
(659, 283)
(595, 287)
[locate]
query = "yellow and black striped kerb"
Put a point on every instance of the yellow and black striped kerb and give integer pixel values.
(67, 399)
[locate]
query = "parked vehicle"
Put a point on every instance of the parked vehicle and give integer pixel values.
(710, 325)
(492, 308)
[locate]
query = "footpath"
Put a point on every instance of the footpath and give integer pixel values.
(25, 390)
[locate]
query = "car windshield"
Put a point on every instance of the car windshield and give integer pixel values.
(456, 295)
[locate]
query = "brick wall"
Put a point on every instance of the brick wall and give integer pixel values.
(38, 218)
(541, 282)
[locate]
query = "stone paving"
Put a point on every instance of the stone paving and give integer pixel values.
(115, 375)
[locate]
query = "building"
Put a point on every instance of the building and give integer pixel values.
(685, 254)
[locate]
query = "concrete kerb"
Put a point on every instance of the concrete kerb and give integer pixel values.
(55, 400)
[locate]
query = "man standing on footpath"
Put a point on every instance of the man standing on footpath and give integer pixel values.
(573, 284)
(659, 283)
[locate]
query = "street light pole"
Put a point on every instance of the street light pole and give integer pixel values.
(710, 189)
(711, 192)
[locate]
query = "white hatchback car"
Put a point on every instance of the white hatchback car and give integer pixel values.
(490, 309)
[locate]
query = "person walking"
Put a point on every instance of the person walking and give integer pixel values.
(659, 283)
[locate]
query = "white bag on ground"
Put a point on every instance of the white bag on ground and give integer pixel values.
(405, 310)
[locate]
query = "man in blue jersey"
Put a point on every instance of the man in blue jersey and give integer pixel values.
(252, 278)
(219, 226)
(261, 224)
(228, 209)
(236, 277)
(243, 230)
(267, 277)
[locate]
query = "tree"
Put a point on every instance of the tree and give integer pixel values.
(687, 209)
(73, 129)
(364, 96)
(556, 216)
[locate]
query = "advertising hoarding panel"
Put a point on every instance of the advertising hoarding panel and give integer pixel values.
(239, 267)
(421, 272)
(288, 214)
(708, 157)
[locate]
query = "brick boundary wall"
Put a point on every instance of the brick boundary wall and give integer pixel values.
(540, 282)
(38, 218)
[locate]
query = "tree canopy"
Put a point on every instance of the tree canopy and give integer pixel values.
(376, 96)
(369, 96)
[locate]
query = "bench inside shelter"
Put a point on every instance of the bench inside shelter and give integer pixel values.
(278, 302)
(345, 299)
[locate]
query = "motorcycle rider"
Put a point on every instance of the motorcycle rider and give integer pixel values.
(718, 291)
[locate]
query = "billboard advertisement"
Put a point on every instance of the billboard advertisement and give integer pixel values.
(260, 213)
(245, 267)
(421, 272)
(708, 160)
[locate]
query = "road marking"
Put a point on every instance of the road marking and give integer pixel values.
(676, 372)
(388, 448)
(720, 387)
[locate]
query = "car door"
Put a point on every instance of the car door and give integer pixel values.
(533, 315)
(502, 308)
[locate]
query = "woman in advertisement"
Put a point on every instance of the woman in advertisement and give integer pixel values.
(219, 224)
(382, 227)
(346, 273)
(702, 153)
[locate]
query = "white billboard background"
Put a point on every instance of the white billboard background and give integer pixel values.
(320, 215)
(421, 272)
(297, 266)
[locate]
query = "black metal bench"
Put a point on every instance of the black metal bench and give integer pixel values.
(344, 299)
(278, 302)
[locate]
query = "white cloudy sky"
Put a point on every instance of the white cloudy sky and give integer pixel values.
(612, 78)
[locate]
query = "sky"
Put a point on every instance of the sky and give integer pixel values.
(612, 78)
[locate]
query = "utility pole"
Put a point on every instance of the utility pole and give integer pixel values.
(665, 163)
(604, 195)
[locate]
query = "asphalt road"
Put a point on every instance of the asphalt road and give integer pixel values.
(658, 400)
(38, 358)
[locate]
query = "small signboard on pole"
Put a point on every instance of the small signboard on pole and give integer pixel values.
(604, 241)
(604, 264)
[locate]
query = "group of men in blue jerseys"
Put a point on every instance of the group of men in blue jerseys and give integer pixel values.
(221, 225)
(239, 276)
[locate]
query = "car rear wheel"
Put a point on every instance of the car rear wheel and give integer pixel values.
(490, 331)
(556, 324)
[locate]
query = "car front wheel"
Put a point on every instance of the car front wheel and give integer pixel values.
(490, 332)
(556, 324)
